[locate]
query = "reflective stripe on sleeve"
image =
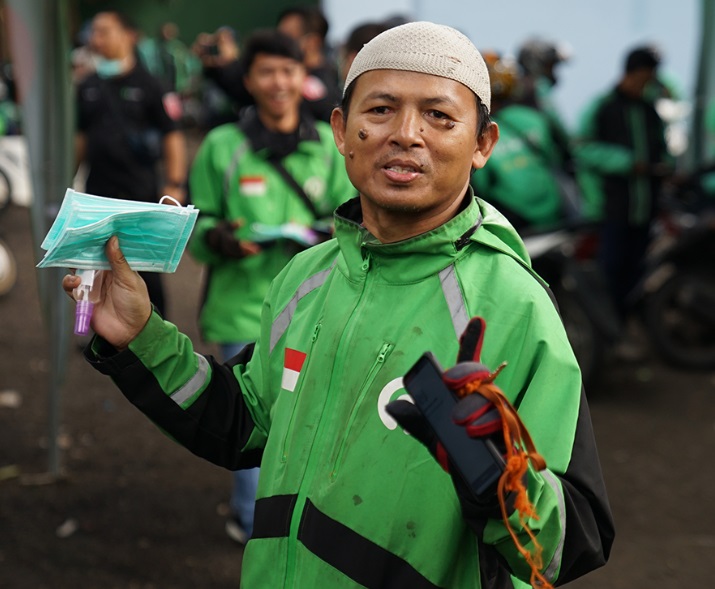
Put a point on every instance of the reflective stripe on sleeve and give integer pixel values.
(281, 323)
(555, 564)
(455, 300)
(235, 158)
(194, 384)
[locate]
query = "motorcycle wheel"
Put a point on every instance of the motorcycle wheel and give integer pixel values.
(586, 341)
(8, 269)
(680, 319)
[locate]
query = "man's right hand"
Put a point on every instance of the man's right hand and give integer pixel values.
(123, 308)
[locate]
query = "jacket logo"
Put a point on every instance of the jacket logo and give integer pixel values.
(387, 394)
(292, 365)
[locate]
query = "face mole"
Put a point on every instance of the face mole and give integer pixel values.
(351, 154)
(450, 124)
(362, 134)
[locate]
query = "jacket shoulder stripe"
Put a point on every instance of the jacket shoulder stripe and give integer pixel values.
(455, 299)
(282, 322)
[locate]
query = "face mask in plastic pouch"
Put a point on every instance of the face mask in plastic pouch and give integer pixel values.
(79, 209)
(152, 236)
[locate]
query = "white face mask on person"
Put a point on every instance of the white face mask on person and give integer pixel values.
(110, 68)
(152, 236)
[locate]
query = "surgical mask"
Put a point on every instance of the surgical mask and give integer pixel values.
(152, 236)
(109, 68)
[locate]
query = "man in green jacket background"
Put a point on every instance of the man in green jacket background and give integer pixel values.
(260, 185)
(345, 498)
(623, 160)
(520, 176)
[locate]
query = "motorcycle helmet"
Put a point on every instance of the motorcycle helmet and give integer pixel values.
(503, 75)
(537, 57)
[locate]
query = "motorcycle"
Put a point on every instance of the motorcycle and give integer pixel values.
(677, 293)
(564, 258)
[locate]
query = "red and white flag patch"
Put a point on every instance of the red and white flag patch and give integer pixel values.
(252, 185)
(292, 366)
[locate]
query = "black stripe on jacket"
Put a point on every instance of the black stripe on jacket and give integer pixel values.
(215, 427)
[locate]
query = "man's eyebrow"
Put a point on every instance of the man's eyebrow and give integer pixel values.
(377, 95)
(440, 100)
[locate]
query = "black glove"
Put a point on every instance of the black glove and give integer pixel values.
(484, 411)
(222, 240)
(478, 415)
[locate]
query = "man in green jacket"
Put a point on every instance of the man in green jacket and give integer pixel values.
(520, 176)
(260, 186)
(345, 498)
(623, 158)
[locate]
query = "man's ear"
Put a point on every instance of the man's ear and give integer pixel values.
(485, 145)
(337, 122)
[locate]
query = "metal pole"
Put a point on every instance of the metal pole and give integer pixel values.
(39, 35)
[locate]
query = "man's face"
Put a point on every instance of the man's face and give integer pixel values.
(292, 25)
(410, 142)
(275, 83)
(109, 38)
(642, 77)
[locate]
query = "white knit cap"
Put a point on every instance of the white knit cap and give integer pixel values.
(426, 48)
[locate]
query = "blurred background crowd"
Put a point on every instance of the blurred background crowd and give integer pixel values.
(618, 184)
(611, 193)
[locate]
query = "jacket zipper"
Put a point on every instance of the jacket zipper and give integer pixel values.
(296, 393)
(364, 388)
(310, 469)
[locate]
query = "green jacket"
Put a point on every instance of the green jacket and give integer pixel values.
(346, 499)
(615, 132)
(232, 179)
(519, 176)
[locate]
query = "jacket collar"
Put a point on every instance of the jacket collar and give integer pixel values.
(421, 256)
(403, 261)
(278, 145)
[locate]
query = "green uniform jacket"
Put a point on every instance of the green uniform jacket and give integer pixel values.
(615, 132)
(519, 176)
(231, 180)
(346, 499)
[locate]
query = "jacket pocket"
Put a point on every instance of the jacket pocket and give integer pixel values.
(296, 393)
(385, 351)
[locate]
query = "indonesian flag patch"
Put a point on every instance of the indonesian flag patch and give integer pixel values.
(252, 185)
(291, 368)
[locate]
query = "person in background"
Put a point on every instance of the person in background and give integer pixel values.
(124, 129)
(169, 59)
(308, 26)
(539, 60)
(357, 37)
(277, 168)
(223, 95)
(346, 499)
(519, 178)
(622, 149)
(10, 112)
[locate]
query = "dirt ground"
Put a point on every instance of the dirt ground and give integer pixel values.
(134, 510)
